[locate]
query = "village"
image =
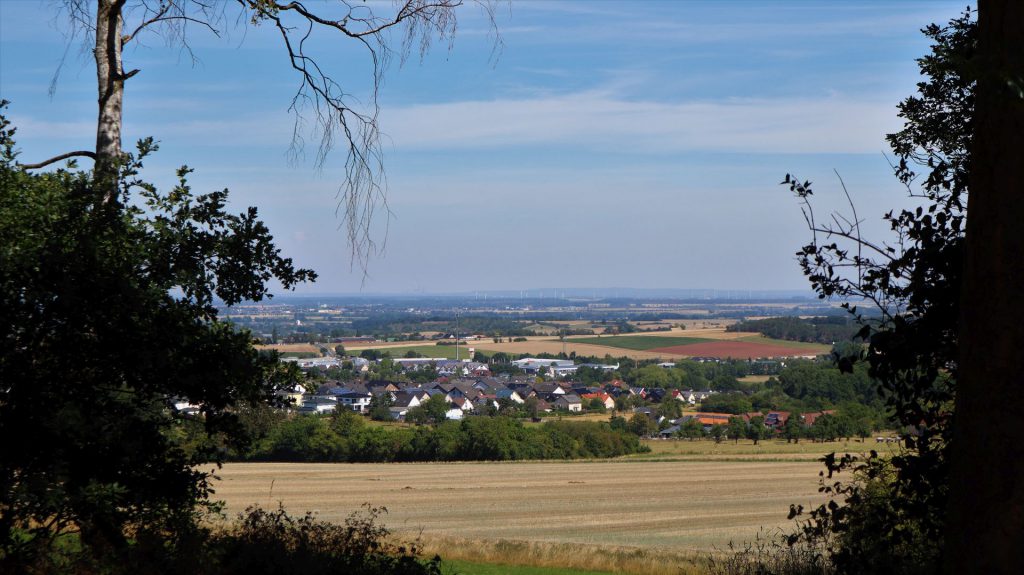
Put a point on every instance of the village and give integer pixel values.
(546, 388)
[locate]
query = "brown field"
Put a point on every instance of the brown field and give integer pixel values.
(547, 345)
(733, 349)
(679, 505)
(291, 347)
(544, 344)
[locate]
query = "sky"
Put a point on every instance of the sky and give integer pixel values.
(597, 144)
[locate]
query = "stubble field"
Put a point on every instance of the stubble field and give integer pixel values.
(658, 504)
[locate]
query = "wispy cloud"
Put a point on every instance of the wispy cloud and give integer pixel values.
(599, 120)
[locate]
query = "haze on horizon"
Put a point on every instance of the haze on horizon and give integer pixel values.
(604, 146)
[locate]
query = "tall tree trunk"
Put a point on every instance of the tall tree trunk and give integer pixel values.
(986, 520)
(110, 79)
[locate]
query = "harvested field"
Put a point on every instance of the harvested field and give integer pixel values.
(292, 348)
(548, 345)
(736, 350)
(681, 505)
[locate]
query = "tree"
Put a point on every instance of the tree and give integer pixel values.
(108, 319)
(433, 410)
(112, 25)
(984, 511)
(692, 429)
(736, 428)
(717, 432)
(756, 431)
(380, 407)
(641, 425)
(793, 430)
(914, 285)
(670, 408)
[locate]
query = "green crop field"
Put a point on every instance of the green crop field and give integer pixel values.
(817, 347)
(639, 342)
(445, 351)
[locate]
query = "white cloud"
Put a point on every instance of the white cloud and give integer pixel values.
(598, 120)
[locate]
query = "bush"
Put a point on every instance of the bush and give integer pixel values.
(275, 542)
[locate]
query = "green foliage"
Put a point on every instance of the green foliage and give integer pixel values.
(756, 431)
(827, 330)
(913, 347)
(693, 429)
(640, 342)
(432, 410)
(735, 403)
(346, 437)
(736, 428)
(276, 542)
(107, 314)
(380, 407)
(642, 426)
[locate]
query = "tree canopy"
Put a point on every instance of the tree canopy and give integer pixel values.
(109, 331)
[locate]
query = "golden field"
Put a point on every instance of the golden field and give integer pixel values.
(676, 505)
(551, 344)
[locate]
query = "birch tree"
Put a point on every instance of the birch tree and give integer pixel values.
(323, 107)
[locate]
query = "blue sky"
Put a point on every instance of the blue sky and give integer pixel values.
(608, 144)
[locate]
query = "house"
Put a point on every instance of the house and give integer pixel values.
(549, 389)
(776, 419)
(355, 401)
(709, 419)
(510, 395)
(454, 414)
(318, 404)
(417, 363)
(606, 399)
(684, 396)
(810, 418)
(651, 413)
(570, 402)
(462, 403)
(525, 390)
(378, 387)
(405, 400)
(656, 394)
(293, 396)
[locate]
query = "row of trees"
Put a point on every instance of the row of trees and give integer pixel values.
(827, 330)
(345, 436)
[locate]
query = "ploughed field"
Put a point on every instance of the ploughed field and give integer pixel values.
(697, 505)
(665, 345)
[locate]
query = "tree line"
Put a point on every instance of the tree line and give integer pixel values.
(827, 330)
(344, 436)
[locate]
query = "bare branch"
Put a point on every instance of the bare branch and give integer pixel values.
(44, 163)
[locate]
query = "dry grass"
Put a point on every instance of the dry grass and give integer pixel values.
(745, 450)
(678, 505)
(291, 347)
(590, 558)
